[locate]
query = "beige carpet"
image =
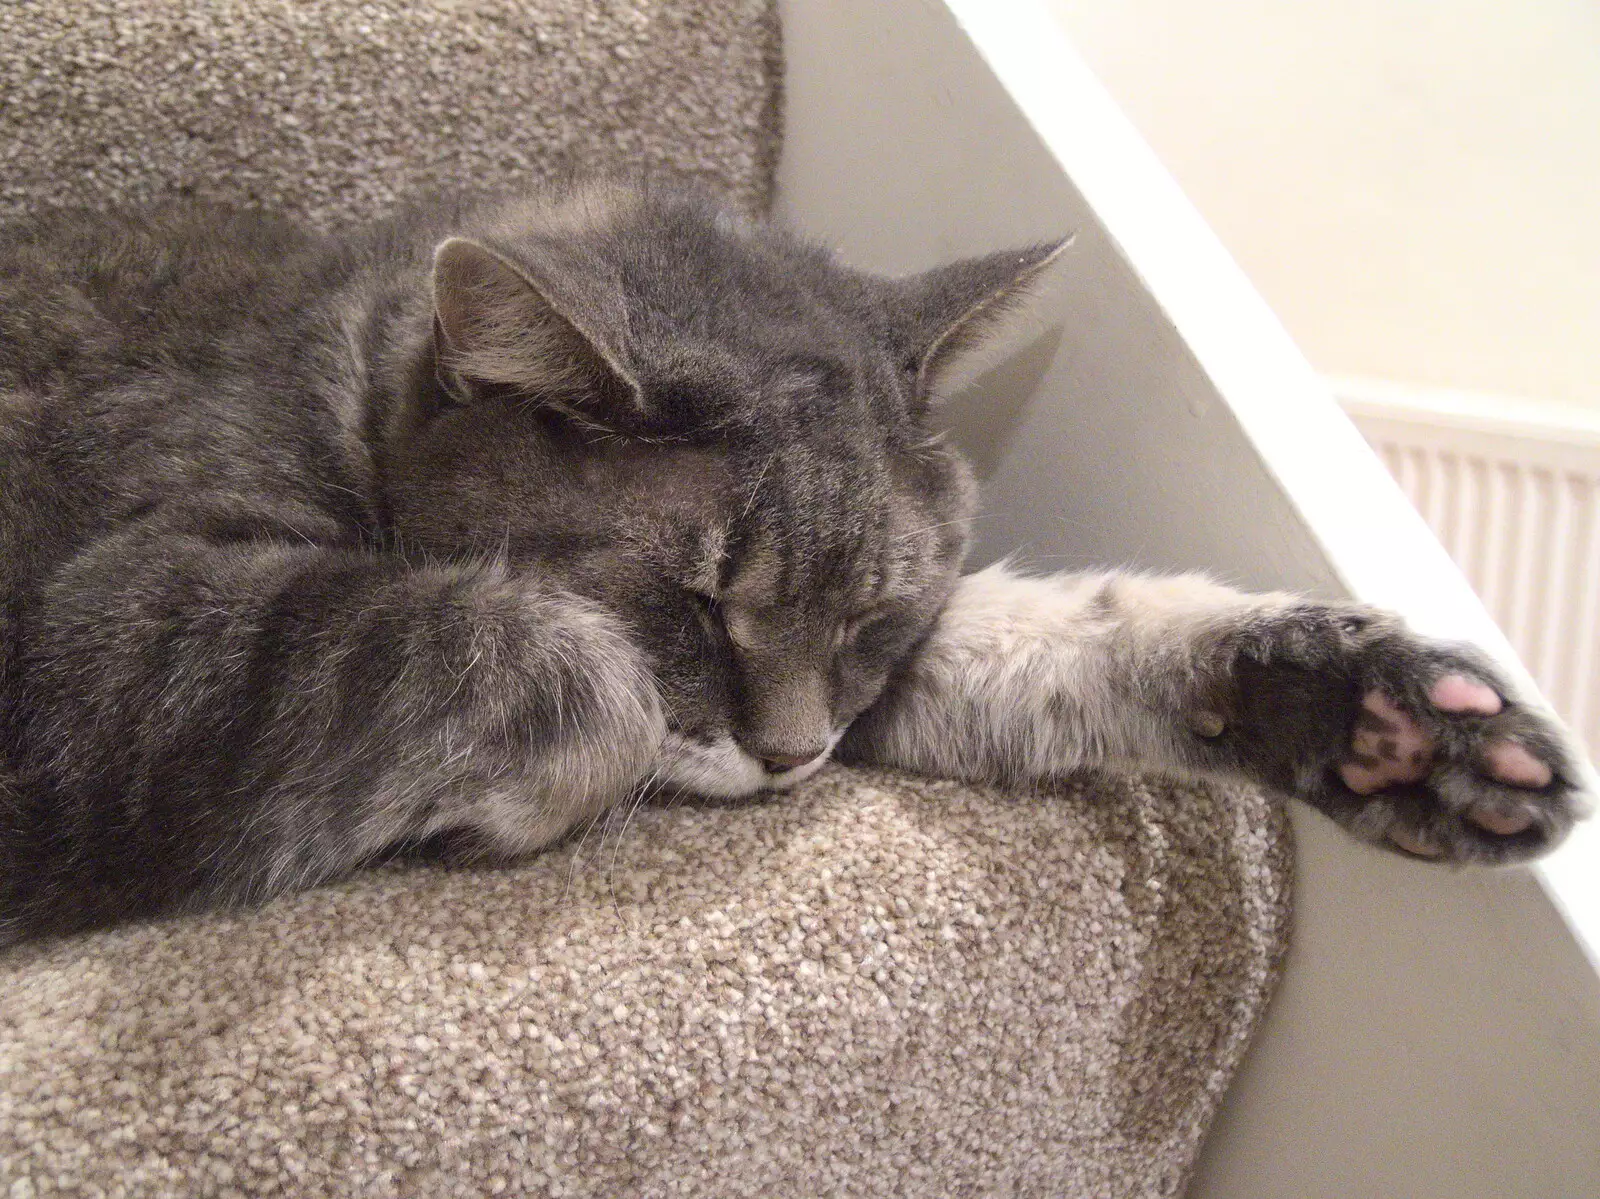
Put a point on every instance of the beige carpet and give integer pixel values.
(331, 109)
(878, 986)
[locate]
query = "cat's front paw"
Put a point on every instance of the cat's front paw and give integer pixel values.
(1410, 744)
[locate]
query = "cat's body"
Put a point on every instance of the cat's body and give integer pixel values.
(479, 521)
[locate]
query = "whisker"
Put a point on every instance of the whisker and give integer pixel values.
(941, 525)
(756, 490)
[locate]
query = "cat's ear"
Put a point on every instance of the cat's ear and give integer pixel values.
(496, 327)
(937, 316)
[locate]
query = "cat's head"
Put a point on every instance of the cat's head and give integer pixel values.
(715, 430)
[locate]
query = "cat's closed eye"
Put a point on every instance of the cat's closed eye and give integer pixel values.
(706, 607)
(850, 630)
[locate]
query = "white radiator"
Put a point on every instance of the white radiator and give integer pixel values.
(1512, 488)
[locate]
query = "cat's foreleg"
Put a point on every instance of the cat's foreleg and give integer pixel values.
(1406, 742)
(217, 721)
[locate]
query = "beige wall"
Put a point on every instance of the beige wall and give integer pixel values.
(1414, 185)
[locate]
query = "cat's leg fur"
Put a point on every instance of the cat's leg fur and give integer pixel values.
(1406, 742)
(217, 721)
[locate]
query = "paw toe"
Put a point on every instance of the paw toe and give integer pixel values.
(1412, 842)
(1512, 763)
(1384, 712)
(1458, 694)
(1363, 780)
(1501, 822)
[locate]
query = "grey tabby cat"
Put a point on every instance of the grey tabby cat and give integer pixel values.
(477, 522)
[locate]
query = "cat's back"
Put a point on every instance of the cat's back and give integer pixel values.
(89, 298)
(152, 359)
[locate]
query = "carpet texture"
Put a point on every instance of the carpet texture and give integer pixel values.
(876, 986)
(330, 109)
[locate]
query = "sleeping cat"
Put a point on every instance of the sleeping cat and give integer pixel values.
(478, 521)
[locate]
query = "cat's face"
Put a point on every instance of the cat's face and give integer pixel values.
(717, 433)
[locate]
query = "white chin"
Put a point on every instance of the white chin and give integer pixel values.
(722, 770)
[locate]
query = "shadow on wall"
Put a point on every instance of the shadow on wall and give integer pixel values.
(985, 416)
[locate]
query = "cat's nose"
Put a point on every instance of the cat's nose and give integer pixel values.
(778, 763)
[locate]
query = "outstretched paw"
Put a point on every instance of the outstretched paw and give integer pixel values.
(1409, 744)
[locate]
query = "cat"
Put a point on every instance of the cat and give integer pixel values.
(475, 522)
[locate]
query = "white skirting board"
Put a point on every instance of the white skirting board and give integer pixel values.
(1512, 489)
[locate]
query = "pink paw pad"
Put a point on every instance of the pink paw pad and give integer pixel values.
(1413, 843)
(1512, 763)
(1457, 693)
(1388, 747)
(1500, 823)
